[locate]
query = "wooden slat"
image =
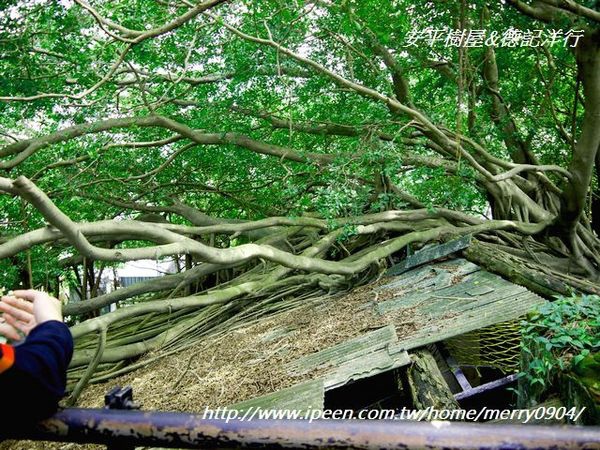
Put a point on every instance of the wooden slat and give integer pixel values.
(365, 367)
(493, 313)
(413, 277)
(430, 254)
(418, 292)
(473, 291)
(456, 296)
(345, 351)
(304, 396)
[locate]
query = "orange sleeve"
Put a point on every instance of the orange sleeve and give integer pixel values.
(7, 357)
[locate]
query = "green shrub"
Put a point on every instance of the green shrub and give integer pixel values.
(557, 337)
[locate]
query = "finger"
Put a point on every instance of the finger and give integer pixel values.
(18, 325)
(9, 332)
(8, 307)
(20, 309)
(27, 294)
(17, 302)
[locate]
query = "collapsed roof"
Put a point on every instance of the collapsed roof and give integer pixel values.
(292, 358)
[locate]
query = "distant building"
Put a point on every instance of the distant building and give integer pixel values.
(134, 272)
(129, 273)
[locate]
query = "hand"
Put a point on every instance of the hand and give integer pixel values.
(17, 316)
(45, 307)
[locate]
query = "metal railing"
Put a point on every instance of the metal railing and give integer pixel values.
(127, 428)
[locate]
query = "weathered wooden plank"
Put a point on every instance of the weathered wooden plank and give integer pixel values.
(473, 291)
(480, 290)
(417, 292)
(364, 367)
(458, 266)
(420, 277)
(404, 302)
(430, 254)
(454, 306)
(482, 388)
(474, 319)
(345, 351)
(304, 396)
(441, 305)
(411, 278)
(478, 300)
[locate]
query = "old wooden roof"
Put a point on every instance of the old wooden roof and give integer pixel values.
(456, 295)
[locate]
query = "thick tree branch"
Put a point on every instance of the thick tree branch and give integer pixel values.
(137, 36)
(582, 163)
(575, 8)
(177, 244)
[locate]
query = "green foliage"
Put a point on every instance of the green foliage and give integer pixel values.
(558, 337)
(57, 47)
(347, 232)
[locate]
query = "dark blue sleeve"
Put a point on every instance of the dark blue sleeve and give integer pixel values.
(45, 355)
(36, 380)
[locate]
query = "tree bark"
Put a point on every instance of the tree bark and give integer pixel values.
(584, 155)
(427, 385)
(595, 203)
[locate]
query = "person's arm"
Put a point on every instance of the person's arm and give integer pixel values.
(33, 373)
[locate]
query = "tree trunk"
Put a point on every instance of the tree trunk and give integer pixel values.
(595, 203)
(584, 155)
(427, 385)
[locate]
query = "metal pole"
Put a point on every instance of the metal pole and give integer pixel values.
(179, 430)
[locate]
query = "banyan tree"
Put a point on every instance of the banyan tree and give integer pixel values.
(287, 149)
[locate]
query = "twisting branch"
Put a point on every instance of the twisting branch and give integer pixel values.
(24, 149)
(177, 244)
(501, 115)
(135, 36)
(531, 167)
(28, 147)
(399, 82)
(72, 400)
(575, 8)
(360, 89)
(319, 128)
(588, 142)
(535, 12)
(432, 131)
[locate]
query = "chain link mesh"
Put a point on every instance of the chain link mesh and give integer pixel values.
(495, 346)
